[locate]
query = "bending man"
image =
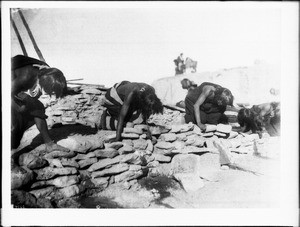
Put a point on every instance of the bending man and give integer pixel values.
(31, 78)
(129, 102)
(206, 104)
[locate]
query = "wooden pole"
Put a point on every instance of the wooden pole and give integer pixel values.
(18, 35)
(39, 53)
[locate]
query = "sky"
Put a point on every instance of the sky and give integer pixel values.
(105, 45)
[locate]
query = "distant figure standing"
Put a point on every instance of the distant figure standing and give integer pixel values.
(179, 62)
(206, 104)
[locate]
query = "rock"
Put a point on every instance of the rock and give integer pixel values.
(161, 158)
(190, 182)
(131, 159)
(128, 175)
(140, 144)
(221, 135)
(157, 130)
(130, 136)
(127, 142)
(134, 130)
(32, 161)
(153, 164)
(70, 143)
(168, 137)
(22, 199)
(187, 127)
(69, 163)
(181, 137)
(55, 163)
(233, 134)
(20, 176)
(84, 146)
(106, 153)
(114, 145)
(176, 128)
(210, 128)
(92, 91)
(149, 158)
(197, 130)
(44, 203)
(224, 153)
(135, 167)
(185, 163)
(150, 146)
(84, 156)
(87, 162)
(115, 169)
(68, 203)
(60, 154)
(164, 145)
(126, 149)
(208, 134)
(64, 181)
(195, 150)
(100, 182)
(102, 163)
(70, 191)
(224, 128)
(48, 172)
(43, 192)
(141, 127)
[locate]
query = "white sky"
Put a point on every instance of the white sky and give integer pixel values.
(106, 45)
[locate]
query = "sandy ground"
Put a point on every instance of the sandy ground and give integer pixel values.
(230, 188)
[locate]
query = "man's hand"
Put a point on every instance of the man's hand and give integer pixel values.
(202, 127)
(51, 146)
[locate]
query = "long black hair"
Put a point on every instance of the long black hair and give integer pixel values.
(223, 95)
(52, 80)
(148, 102)
(251, 120)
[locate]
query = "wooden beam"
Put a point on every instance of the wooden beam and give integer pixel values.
(39, 53)
(18, 35)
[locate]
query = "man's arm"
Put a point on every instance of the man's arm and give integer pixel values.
(203, 96)
(123, 113)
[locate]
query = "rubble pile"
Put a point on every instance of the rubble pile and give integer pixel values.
(94, 163)
(85, 107)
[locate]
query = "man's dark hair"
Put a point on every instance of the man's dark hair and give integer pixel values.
(148, 102)
(224, 95)
(52, 80)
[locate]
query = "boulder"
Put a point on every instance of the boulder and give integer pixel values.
(131, 159)
(164, 145)
(102, 163)
(87, 162)
(22, 199)
(140, 144)
(43, 192)
(69, 163)
(161, 158)
(21, 176)
(49, 172)
(64, 181)
(106, 153)
(70, 191)
(115, 169)
(168, 137)
(32, 161)
(114, 145)
(190, 182)
(128, 175)
(126, 149)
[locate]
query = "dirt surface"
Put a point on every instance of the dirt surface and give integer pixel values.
(253, 184)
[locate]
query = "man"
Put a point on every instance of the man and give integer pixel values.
(31, 78)
(179, 62)
(206, 104)
(129, 102)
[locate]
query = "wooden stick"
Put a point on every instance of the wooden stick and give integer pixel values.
(74, 79)
(18, 35)
(39, 53)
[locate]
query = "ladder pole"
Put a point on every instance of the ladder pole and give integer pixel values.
(39, 53)
(18, 35)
